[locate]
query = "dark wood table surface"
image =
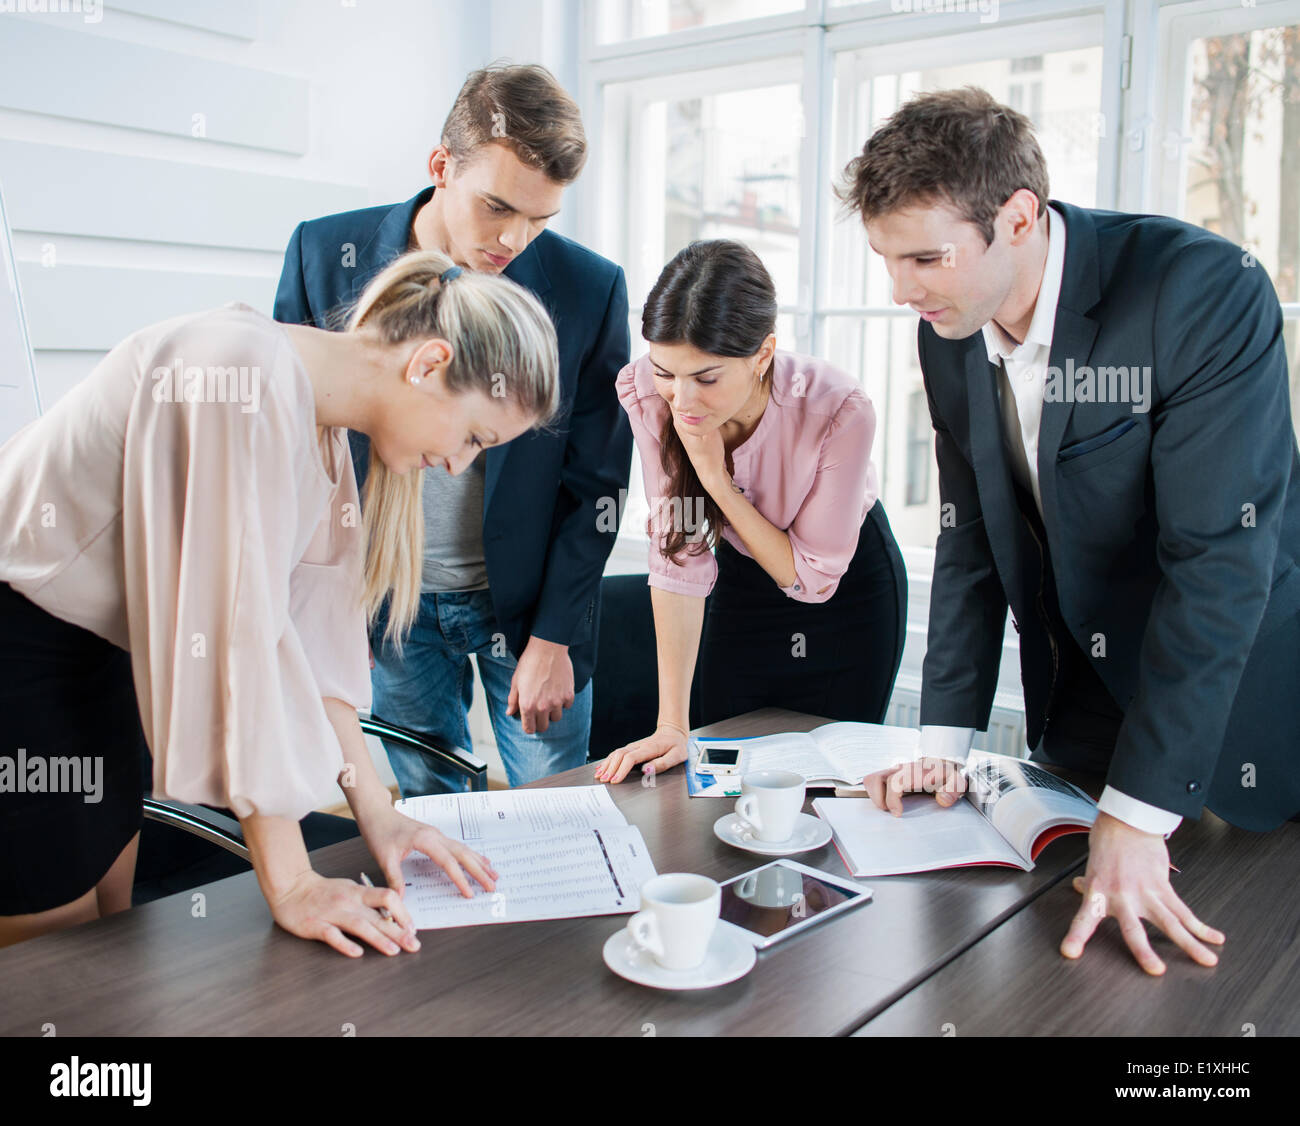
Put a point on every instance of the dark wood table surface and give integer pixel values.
(158, 970)
(1015, 981)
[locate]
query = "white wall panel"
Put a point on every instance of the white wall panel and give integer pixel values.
(47, 70)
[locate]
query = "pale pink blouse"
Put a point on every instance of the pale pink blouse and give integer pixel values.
(208, 538)
(806, 467)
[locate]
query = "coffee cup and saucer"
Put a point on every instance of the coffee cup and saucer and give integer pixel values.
(769, 817)
(676, 940)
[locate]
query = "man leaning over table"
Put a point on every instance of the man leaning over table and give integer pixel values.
(1118, 464)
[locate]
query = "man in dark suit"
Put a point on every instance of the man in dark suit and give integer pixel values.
(1118, 463)
(517, 537)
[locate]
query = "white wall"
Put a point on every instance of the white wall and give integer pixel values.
(123, 216)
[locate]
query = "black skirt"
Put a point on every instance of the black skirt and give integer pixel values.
(73, 757)
(837, 658)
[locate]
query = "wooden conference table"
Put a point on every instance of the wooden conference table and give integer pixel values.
(157, 970)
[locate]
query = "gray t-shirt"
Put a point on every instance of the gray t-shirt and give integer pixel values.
(453, 530)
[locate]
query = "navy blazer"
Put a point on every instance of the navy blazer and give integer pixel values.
(547, 497)
(1173, 533)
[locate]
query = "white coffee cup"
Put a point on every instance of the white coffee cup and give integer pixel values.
(770, 803)
(678, 915)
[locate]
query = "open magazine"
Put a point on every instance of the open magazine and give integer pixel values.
(1012, 810)
(834, 754)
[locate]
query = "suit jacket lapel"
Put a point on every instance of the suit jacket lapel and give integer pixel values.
(1073, 335)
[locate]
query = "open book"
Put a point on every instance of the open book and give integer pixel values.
(1012, 810)
(834, 754)
(559, 852)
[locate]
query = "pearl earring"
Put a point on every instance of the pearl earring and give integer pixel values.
(414, 380)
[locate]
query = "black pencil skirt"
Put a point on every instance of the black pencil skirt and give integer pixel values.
(72, 757)
(837, 658)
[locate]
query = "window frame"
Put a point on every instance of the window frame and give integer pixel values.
(1142, 76)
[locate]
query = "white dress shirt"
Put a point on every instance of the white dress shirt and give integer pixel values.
(1020, 392)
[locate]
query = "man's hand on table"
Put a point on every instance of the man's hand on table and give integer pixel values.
(1128, 877)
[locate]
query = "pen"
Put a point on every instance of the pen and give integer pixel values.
(384, 913)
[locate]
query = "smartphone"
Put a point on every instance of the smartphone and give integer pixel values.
(719, 758)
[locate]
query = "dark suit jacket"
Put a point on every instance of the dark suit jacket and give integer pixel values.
(1173, 534)
(544, 537)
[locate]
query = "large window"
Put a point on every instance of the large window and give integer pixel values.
(734, 118)
(860, 328)
(1230, 158)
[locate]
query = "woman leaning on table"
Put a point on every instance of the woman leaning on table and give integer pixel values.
(773, 450)
(185, 566)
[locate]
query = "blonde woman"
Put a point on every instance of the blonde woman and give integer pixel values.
(184, 565)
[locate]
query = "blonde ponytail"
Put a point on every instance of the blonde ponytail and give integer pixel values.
(504, 347)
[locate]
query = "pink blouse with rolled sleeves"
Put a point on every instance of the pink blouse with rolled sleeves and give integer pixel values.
(806, 467)
(209, 538)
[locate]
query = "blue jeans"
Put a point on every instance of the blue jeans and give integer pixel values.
(430, 688)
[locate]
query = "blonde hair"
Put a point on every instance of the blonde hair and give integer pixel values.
(503, 346)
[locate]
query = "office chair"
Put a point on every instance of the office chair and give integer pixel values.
(625, 680)
(184, 846)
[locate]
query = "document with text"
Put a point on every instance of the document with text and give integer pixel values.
(559, 853)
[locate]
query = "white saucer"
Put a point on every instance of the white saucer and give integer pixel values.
(730, 956)
(809, 832)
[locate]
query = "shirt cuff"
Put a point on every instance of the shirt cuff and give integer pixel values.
(1141, 816)
(679, 586)
(946, 742)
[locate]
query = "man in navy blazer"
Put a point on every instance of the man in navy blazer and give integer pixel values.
(519, 586)
(1118, 464)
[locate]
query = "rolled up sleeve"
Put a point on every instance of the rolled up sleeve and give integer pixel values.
(824, 533)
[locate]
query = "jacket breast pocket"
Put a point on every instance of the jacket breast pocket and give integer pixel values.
(1100, 448)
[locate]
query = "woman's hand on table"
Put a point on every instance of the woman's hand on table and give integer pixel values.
(393, 836)
(327, 910)
(660, 751)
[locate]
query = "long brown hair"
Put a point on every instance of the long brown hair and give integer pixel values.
(718, 297)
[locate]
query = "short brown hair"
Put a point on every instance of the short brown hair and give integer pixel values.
(954, 146)
(525, 109)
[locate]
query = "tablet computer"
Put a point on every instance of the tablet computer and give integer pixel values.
(780, 899)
